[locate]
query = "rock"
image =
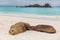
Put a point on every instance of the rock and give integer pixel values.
(44, 28)
(47, 5)
(18, 28)
(35, 5)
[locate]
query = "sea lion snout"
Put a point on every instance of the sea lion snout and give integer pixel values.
(12, 32)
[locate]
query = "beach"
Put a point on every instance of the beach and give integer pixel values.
(6, 20)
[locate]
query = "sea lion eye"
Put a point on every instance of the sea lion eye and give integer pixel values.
(12, 30)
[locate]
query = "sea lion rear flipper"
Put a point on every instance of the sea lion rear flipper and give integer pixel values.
(45, 28)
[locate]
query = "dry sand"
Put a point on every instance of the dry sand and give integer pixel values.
(6, 20)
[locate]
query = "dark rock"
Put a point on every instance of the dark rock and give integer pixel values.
(47, 5)
(37, 5)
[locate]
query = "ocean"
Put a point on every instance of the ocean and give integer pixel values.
(32, 10)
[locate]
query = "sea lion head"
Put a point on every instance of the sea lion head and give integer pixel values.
(16, 30)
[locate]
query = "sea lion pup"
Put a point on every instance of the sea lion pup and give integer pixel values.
(18, 28)
(43, 28)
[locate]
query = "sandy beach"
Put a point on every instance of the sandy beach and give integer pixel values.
(6, 20)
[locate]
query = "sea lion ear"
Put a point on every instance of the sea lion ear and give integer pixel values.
(27, 24)
(46, 28)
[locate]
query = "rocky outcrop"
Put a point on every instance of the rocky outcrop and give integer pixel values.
(37, 5)
(47, 5)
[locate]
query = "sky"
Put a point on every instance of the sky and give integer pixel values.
(28, 2)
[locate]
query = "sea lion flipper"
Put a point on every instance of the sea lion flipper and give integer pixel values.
(45, 28)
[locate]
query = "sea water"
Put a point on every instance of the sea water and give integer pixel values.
(32, 10)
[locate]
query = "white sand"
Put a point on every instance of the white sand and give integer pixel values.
(6, 20)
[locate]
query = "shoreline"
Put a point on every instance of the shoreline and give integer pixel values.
(17, 13)
(32, 16)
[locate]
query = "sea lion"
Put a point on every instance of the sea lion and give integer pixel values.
(44, 28)
(18, 28)
(22, 27)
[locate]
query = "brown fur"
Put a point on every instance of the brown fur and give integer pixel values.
(18, 28)
(22, 27)
(44, 28)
